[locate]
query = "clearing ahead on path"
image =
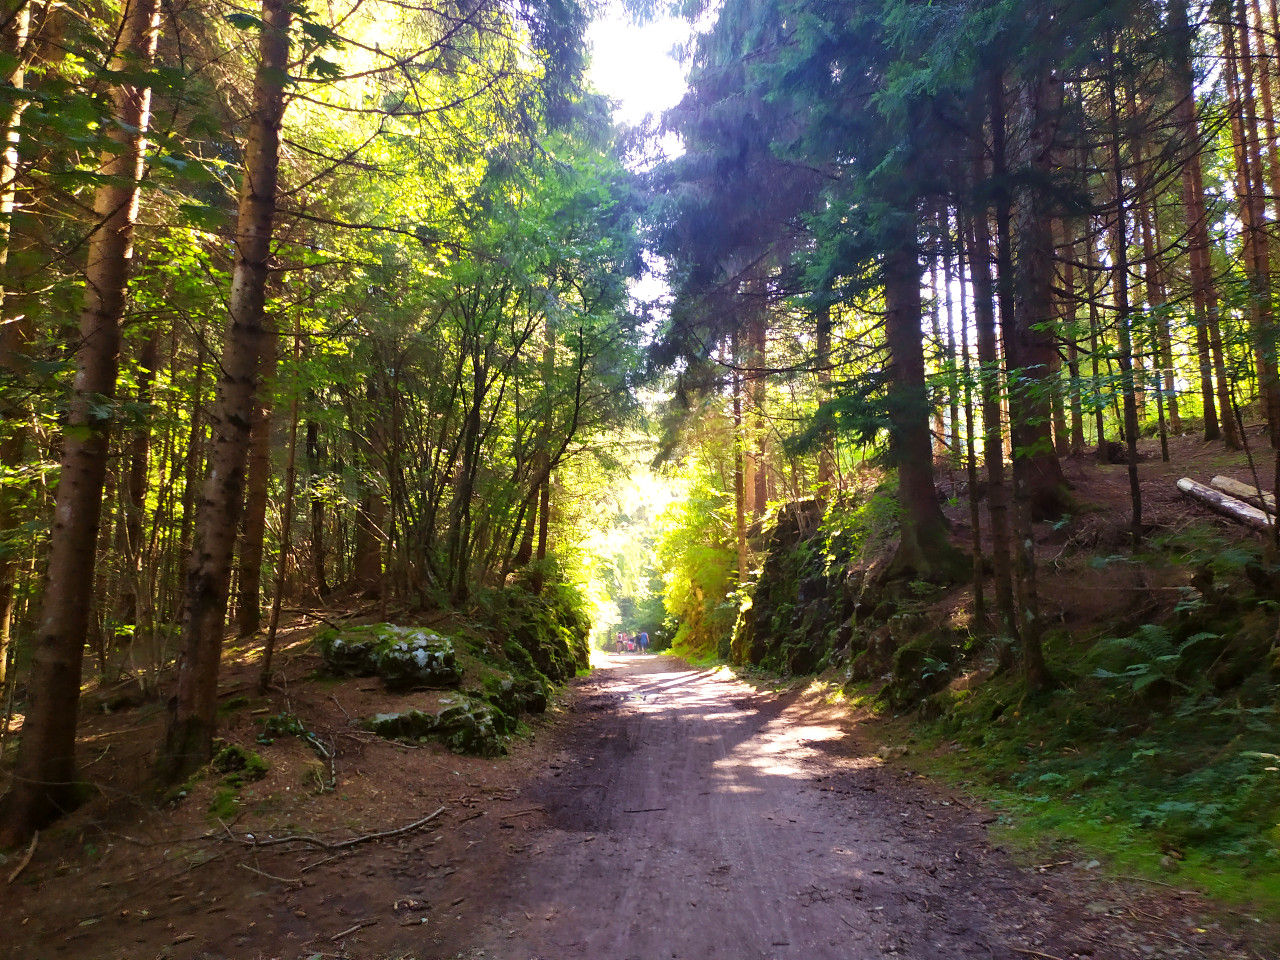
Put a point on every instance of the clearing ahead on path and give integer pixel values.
(699, 819)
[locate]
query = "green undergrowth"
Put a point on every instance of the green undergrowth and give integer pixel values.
(1187, 793)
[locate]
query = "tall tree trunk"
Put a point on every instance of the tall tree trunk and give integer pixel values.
(739, 470)
(1250, 187)
(1029, 314)
(1120, 280)
(541, 455)
(940, 438)
(924, 552)
(44, 783)
(544, 528)
(1095, 343)
(371, 518)
(759, 345)
(15, 330)
(135, 492)
(979, 242)
(1203, 293)
(826, 452)
(15, 38)
(189, 737)
(1266, 67)
(971, 456)
(1163, 335)
(1071, 302)
(319, 582)
(253, 527)
(1155, 302)
(286, 515)
(544, 461)
(953, 387)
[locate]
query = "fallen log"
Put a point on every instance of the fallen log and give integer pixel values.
(1243, 491)
(1228, 506)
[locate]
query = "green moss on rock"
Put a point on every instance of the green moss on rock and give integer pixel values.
(463, 724)
(404, 657)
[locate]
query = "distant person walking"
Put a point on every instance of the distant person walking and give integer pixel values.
(618, 641)
(644, 642)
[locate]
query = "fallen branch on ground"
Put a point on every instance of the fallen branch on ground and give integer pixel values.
(35, 838)
(1035, 953)
(520, 813)
(339, 845)
(312, 615)
(271, 876)
(359, 925)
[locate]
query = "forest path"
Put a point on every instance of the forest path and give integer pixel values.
(692, 817)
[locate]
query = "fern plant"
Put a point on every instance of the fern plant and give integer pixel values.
(1158, 657)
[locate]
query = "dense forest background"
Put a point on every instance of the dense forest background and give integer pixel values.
(305, 307)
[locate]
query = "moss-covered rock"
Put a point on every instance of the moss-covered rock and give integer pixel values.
(546, 634)
(463, 724)
(404, 657)
(516, 694)
(921, 667)
(240, 765)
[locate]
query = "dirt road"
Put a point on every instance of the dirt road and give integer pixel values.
(690, 817)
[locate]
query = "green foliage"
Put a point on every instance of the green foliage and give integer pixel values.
(1093, 765)
(1152, 654)
(696, 553)
(551, 628)
(621, 555)
(857, 527)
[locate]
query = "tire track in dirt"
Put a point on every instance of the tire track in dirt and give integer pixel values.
(699, 820)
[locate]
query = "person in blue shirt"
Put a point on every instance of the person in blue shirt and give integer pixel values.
(644, 642)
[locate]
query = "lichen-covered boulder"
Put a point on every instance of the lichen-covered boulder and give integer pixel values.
(462, 724)
(404, 657)
(516, 694)
(421, 659)
(348, 655)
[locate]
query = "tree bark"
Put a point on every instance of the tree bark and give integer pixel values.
(759, 334)
(1029, 344)
(544, 460)
(739, 469)
(15, 330)
(1120, 288)
(1203, 294)
(44, 783)
(135, 492)
(979, 241)
(924, 552)
(371, 517)
(319, 582)
(1227, 505)
(1250, 187)
(189, 737)
(826, 451)
(253, 528)
(1157, 327)
(286, 516)
(971, 456)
